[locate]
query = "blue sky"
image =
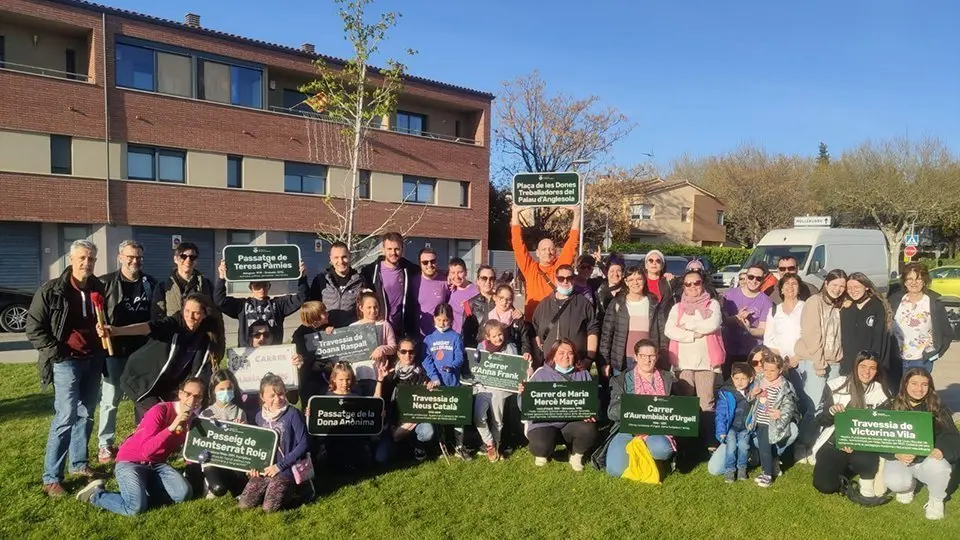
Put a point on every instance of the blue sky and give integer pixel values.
(698, 77)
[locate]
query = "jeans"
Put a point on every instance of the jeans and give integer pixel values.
(142, 486)
(935, 473)
(109, 399)
(76, 388)
(810, 398)
(718, 460)
(617, 460)
(738, 449)
(925, 364)
(385, 449)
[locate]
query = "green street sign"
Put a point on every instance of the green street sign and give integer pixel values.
(495, 370)
(345, 416)
(451, 405)
(883, 431)
(660, 415)
(262, 263)
(546, 189)
(347, 344)
(227, 445)
(558, 401)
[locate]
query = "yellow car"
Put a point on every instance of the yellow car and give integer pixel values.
(945, 280)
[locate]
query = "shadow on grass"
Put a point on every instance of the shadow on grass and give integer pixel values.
(29, 406)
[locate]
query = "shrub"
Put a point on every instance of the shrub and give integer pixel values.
(719, 256)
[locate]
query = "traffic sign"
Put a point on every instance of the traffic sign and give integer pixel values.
(912, 240)
(910, 251)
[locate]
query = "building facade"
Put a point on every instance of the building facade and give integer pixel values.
(677, 212)
(118, 125)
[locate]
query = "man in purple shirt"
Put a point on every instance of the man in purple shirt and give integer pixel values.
(394, 278)
(461, 290)
(745, 316)
(432, 289)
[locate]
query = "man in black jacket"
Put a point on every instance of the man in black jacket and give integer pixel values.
(128, 295)
(61, 326)
(259, 307)
(338, 287)
(393, 277)
(565, 314)
(184, 280)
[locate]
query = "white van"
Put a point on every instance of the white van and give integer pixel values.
(821, 249)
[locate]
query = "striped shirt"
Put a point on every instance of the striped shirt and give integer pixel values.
(763, 410)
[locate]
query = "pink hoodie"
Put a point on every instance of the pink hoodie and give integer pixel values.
(152, 442)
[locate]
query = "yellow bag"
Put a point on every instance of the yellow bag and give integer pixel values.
(641, 466)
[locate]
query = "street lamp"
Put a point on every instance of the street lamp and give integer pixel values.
(575, 164)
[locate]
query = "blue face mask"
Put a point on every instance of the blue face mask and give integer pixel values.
(225, 396)
(566, 291)
(565, 370)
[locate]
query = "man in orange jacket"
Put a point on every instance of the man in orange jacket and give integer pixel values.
(539, 274)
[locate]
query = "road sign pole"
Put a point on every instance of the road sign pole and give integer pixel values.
(583, 211)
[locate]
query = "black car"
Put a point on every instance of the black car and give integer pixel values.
(13, 309)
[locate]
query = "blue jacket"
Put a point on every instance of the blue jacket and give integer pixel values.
(444, 357)
(728, 400)
(292, 440)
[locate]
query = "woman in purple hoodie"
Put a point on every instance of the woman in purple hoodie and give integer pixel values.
(561, 365)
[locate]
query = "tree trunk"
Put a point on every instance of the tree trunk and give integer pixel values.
(355, 157)
(894, 236)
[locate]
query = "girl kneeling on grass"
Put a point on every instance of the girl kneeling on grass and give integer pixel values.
(275, 485)
(861, 389)
(901, 474)
(406, 372)
(561, 365)
(489, 401)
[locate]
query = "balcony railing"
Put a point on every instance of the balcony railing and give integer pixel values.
(39, 70)
(324, 117)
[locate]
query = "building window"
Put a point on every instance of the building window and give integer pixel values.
(464, 194)
(239, 238)
(363, 189)
(234, 172)
(305, 178)
(415, 124)
(136, 67)
(231, 84)
(295, 100)
(418, 190)
(2, 51)
(174, 74)
(71, 65)
(147, 163)
(684, 214)
(61, 154)
(719, 217)
(641, 212)
(456, 128)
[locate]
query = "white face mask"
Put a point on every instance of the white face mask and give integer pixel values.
(566, 291)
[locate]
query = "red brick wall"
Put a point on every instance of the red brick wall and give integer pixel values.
(52, 199)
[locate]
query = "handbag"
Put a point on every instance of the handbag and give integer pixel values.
(302, 470)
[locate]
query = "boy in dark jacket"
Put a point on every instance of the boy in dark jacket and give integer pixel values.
(733, 408)
(259, 307)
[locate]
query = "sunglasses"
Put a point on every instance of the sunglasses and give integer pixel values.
(430, 262)
(754, 278)
(189, 257)
(787, 268)
(655, 261)
(696, 283)
(405, 351)
(485, 278)
(564, 278)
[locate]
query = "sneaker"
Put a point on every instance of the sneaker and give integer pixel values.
(419, 453)
(91, 489)
(730, 477)
(576, 462)
(540, 461)
(764, 481)
(106, 455)
(54, 490)
(905, 498)
(462, 453)
(934, 509)
(742, 473)
(492, 454)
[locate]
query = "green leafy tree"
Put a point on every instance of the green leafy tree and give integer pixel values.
(823, 155)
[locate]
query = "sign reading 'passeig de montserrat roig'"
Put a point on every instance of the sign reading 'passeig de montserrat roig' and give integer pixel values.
(546, 189)
(262, 263)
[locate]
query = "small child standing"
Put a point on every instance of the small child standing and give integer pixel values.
(444, 358)
(732, 430)
(775, 409)
(489, 401)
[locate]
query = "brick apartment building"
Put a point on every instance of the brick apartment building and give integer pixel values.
(118, 125)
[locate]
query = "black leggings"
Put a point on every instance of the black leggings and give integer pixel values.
(833, 463)
(220, 481)
(580, 438)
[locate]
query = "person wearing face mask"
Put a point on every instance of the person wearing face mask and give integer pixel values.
(539, 274)
(866, 323)
(259, 307)
(477, 308)
(338, 287)
(225, 407)
(186, 345)
(461, 290)
(565, 315)
(143, 475)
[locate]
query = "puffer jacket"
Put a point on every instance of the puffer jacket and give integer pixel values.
(341, 303)
(729, 400)
(616, 328)
(786, 403)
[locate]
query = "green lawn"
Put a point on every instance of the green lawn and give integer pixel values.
(509, 499)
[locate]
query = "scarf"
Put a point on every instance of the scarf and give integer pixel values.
(405, 372)
(643, 387)
(228, 412)
(273, 416)
(699, 304)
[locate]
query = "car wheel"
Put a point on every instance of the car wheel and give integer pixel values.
(13, 318)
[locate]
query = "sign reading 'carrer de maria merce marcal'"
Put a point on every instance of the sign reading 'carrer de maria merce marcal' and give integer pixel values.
(277, 262)
(546, 189)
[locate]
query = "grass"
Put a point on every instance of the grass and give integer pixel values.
(508, 499)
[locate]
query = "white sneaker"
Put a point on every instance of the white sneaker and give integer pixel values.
(96, 486)
(905, 498)
(576, 462)
(540, 461)
(866, 488)
(934, 509)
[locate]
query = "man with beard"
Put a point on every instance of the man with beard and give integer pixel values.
(338, 287)
(392, 278)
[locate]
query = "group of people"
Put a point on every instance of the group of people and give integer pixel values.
(770, 362)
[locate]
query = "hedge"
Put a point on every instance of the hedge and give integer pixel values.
(719, 256)
(930, 263)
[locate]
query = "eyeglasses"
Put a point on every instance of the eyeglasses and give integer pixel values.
(564, 278)
(405, 351)
(485, 278)
(696, 283)
(787, 268)
(133, 257)
(429, 262)
(655, 261)
(754, 278)
(646, 356)
(185, 257)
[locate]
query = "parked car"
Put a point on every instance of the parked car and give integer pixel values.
(945, 280)
(726, 277)
(13, 309)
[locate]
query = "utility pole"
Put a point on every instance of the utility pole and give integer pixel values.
(583, 196)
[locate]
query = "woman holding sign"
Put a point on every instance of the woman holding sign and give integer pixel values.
(368, 312)
(561, 365)
(901, 474)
